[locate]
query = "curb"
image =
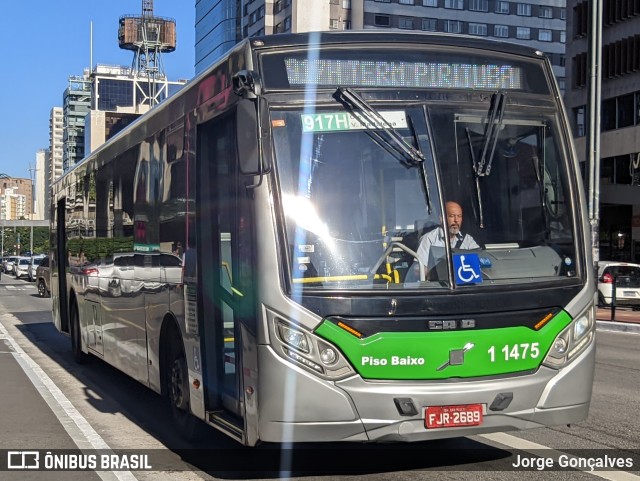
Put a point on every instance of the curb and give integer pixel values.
(617, 326)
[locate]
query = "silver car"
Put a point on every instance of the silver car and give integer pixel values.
(33, 266)
(43, 278)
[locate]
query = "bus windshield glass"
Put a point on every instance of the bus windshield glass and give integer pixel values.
(360, 216)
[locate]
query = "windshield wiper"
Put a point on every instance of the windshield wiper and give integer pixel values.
(425, 182)
(477, 178)
(482, 168)
(374, 121)
(491, 133)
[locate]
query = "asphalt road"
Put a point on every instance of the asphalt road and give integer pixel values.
(50, 403)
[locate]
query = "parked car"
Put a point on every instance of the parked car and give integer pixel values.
(43, 278)
(21, 267)
(627, 277)
(8, 264)
(33, 266)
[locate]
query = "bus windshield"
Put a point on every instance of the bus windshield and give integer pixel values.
(357, 215)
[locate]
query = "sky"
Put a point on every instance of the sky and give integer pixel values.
(43, 42)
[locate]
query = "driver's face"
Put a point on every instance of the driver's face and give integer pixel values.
(454, 217)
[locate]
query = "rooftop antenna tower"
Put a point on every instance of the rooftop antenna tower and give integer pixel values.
(148, 37)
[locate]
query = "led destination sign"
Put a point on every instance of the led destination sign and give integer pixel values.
(341, 121)
(410, 74)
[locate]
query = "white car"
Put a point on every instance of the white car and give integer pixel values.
(627, 278)
(21, 267)
(33, 266)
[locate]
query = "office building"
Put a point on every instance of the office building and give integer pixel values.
(218, 29)
(76, 104)
(41, 186)
(102, 102)
(537, 23)
(620, 118)
(15, 198)
(118, 97)
(56, 144)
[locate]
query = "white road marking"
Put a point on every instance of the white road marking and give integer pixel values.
(534, 448)
(73, 422)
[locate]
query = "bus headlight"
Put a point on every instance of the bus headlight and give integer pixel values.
(305, 349)
(293, 337)
(581, 326)
(572, 340)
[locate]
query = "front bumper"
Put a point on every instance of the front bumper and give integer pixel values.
(295, 406)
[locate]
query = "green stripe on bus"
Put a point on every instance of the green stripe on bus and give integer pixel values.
(442, 354)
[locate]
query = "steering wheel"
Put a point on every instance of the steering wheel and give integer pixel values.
(388, 250)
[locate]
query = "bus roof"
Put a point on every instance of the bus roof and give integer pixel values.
(342, 37)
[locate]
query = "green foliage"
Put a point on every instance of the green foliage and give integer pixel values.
(17, 241)
(91, 249)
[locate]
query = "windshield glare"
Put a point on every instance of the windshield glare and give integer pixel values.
(357, 214)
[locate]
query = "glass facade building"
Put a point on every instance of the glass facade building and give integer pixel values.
(540, 24)
(619, 162)
(217, 29)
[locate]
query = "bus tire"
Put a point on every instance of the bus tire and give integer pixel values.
(76, 340)
(189, 427)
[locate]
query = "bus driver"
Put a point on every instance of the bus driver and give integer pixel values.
(436, 237)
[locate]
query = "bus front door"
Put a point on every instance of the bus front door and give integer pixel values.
(217, 262)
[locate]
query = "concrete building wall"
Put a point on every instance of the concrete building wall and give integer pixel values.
(15, 198)
(619, 159)
(310, 16)
(56, 144)
(94, 131)
(41, 209)
(543, 21)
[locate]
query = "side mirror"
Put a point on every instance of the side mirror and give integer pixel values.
(247, 137)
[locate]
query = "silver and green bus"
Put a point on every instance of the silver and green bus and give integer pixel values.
(252, 248)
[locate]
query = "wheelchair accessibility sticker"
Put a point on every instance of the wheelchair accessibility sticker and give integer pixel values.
(466, 268)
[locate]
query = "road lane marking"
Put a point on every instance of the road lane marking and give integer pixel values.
(535, 448)
(73, 422)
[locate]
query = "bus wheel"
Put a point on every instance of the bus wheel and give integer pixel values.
(76, 341)
(188, 425)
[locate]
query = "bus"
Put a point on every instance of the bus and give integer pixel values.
(250, 248)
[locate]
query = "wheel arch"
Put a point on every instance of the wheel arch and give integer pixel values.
(169, 332)
(73, 299)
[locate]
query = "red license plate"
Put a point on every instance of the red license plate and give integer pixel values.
(453, 416)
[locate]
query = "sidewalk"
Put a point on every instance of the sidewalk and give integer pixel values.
(622, 315)
(626, 320)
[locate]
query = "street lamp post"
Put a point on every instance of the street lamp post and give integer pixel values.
(32, 172)
(593, 133)
(3, 176)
